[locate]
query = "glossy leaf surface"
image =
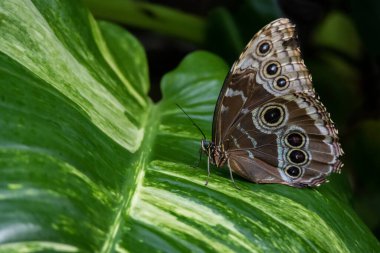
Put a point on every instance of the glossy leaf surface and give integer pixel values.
(89, 164)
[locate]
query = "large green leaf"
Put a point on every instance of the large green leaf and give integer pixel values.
(89, 164)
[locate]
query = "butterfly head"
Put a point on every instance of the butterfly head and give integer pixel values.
(208, 147)
(216, 154)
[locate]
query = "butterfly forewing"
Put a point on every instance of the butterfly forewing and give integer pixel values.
(269, 126)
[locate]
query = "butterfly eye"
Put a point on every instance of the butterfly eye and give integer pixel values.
(264, 48)
(273, 115)
(281, 83)
(297, 156)
(295, 140)
(293, 171)
(206, 145)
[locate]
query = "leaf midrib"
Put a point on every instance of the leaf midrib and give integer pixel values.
(132, 185)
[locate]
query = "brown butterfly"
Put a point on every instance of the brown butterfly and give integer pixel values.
(269, 125)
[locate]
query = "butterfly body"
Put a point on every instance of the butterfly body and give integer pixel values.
(269, 125)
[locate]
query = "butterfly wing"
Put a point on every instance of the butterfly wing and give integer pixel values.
(271, 124)
(298, 147)
(241, 89)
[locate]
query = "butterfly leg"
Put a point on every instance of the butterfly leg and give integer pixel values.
(232, 179)
(208, 170)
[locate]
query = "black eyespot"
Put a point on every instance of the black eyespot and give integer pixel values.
(272, 115)
(297, 156)
(272, 69)
(264, 48)
(295, 140)
(281, 82)
(293, 171)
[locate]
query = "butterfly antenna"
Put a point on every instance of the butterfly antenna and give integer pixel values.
(200, 130)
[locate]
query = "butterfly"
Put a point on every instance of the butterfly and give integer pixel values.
(269, 125)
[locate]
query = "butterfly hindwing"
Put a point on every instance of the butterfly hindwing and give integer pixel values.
(293, 144)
